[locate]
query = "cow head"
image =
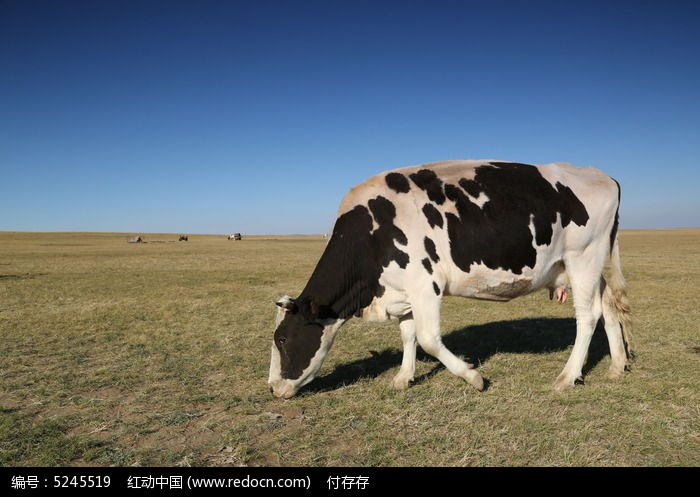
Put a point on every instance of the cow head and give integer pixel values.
(304, 334)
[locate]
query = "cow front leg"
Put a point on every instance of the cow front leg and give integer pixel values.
(427, 320)
(405, 375)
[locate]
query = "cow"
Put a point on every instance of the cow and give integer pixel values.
(481, 229)
(235, 236)
(183, 238)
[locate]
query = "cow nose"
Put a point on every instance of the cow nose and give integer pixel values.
(282, 389)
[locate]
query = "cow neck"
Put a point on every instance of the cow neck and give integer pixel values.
(346, 278)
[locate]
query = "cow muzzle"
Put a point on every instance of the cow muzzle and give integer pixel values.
(282, 389)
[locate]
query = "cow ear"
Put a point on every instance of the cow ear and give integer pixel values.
(313, 311)
(288, 304)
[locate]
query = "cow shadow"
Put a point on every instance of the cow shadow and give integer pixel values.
(475, 344)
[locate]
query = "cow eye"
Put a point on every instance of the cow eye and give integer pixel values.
(282, 340)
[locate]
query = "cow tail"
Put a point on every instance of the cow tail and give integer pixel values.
(617, 297)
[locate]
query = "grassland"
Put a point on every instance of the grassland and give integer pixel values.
(157, 354)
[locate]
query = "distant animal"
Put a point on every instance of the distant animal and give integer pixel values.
(481, 229)
(182, 238)
(135, 239)
(235, 236)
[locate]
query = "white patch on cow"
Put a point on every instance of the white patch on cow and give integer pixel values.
(480, 200)
(448, 207)
(281, 309)
(392, 304)
(375, 312)
(533, 232)
(398, 245)
(275, 365)
(485, 283)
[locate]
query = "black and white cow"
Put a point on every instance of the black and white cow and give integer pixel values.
(481, 229)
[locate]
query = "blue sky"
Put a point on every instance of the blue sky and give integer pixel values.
(257, 117)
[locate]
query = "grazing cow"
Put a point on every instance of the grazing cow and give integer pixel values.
(235, 236)
(481, 229)
(183, 238)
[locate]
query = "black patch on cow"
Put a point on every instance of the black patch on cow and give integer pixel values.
(436, 288)
(470, 186)
(384, 213)
(398, 182)
(430, 248)
(297, 340)
(432, 215)
(427, 180)
(426, 264)
(570, 208)
(498, 234)
(346, 278)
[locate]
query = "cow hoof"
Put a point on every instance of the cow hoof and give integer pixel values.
(475, 380)
(563, 383)
(401, 382)
(616, 373)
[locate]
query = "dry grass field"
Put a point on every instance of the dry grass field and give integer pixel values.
(156, 354)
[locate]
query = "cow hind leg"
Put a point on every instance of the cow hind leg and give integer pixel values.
(427, 322)
(405, 375)
(613, 330)
(589, 308)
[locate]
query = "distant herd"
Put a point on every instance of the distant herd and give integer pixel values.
(182, 238)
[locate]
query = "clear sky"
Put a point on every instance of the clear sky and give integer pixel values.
(257, 117)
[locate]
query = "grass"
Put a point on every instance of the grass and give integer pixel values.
(119, 354)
